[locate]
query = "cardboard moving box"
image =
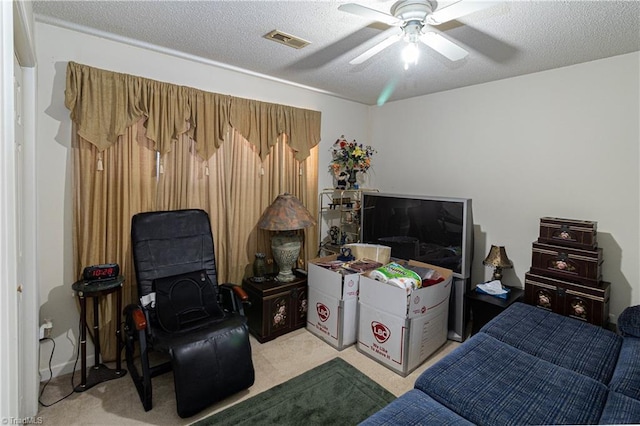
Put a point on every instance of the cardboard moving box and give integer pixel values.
(399, 329)
(333, 303)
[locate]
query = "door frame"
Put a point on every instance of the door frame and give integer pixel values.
(18, 330)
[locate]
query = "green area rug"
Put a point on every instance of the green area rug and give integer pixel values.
(334, 393)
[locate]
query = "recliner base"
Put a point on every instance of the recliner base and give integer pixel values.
(207, 371)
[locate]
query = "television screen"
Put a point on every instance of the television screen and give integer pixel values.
(433, 230)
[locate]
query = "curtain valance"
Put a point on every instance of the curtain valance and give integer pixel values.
(104, 103)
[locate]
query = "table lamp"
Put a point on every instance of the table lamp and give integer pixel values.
(497, 258)
(286, 215)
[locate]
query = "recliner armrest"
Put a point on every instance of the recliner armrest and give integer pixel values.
(136, 317)
(239, 291)
(233, 297)
(139, 319)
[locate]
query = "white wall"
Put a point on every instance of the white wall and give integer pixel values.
(55, 47)
(561, 143)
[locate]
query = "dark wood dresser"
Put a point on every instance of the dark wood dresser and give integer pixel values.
(276, 307)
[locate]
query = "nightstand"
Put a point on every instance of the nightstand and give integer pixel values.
(485, 307)
(276, 307)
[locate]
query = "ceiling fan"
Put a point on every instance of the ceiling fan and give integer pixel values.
(412, 19)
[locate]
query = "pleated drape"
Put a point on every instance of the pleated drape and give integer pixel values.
(103, 203)
(104, 103)
(142, 145)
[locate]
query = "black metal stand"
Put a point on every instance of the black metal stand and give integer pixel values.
(99, 372)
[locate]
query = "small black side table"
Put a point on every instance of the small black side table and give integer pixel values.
(99, 372)
(485, 307)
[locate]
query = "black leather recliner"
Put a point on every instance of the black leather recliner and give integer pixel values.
(185, 313)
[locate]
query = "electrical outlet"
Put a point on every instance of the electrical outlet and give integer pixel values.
(45, 329)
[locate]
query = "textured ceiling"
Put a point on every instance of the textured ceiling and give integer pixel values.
(508, 39)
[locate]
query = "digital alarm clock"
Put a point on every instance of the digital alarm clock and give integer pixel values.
(101, 272)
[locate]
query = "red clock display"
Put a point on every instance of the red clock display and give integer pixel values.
(101, 272)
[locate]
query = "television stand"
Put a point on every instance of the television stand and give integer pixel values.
(459, 310)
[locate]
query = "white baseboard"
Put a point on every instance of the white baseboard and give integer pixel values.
(65, 368)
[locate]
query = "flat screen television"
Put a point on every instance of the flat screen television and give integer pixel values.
(433, 230)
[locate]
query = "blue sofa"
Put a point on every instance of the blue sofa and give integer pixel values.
(530, 366)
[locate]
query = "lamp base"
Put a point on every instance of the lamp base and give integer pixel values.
(497, 274)
(285, 249)
(285, 276)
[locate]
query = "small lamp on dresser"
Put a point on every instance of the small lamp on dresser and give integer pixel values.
(497, 258)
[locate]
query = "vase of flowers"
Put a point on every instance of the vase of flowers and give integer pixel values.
(350, 158)
(353, 178)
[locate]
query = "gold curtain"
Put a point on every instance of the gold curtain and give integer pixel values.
(235, 187)
(121, 122)
(103, 203)
(263, 123)
(104, 103)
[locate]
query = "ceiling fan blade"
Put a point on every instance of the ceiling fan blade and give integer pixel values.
(458, 9)
(443, 46)
(376, 49)
(372, 14)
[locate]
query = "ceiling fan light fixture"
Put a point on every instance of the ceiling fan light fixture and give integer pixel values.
(407, 10)
(412, 17)
(410, 55)
(412, 31)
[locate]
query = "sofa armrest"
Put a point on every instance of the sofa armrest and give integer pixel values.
(629, 321)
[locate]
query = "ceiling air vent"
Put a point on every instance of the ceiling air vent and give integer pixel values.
(286, 39)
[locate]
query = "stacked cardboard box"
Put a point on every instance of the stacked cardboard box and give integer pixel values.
(397, 328)
(333, 303)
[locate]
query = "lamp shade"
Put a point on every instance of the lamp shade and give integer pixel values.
(497, 258)
(286, 213)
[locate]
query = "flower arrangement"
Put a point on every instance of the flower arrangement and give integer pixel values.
(347, 156)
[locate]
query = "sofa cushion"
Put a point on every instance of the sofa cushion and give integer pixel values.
(620, 409)
(626, 377)
(567, 342)
(415, 408)
(629, 321)
(489, 382)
